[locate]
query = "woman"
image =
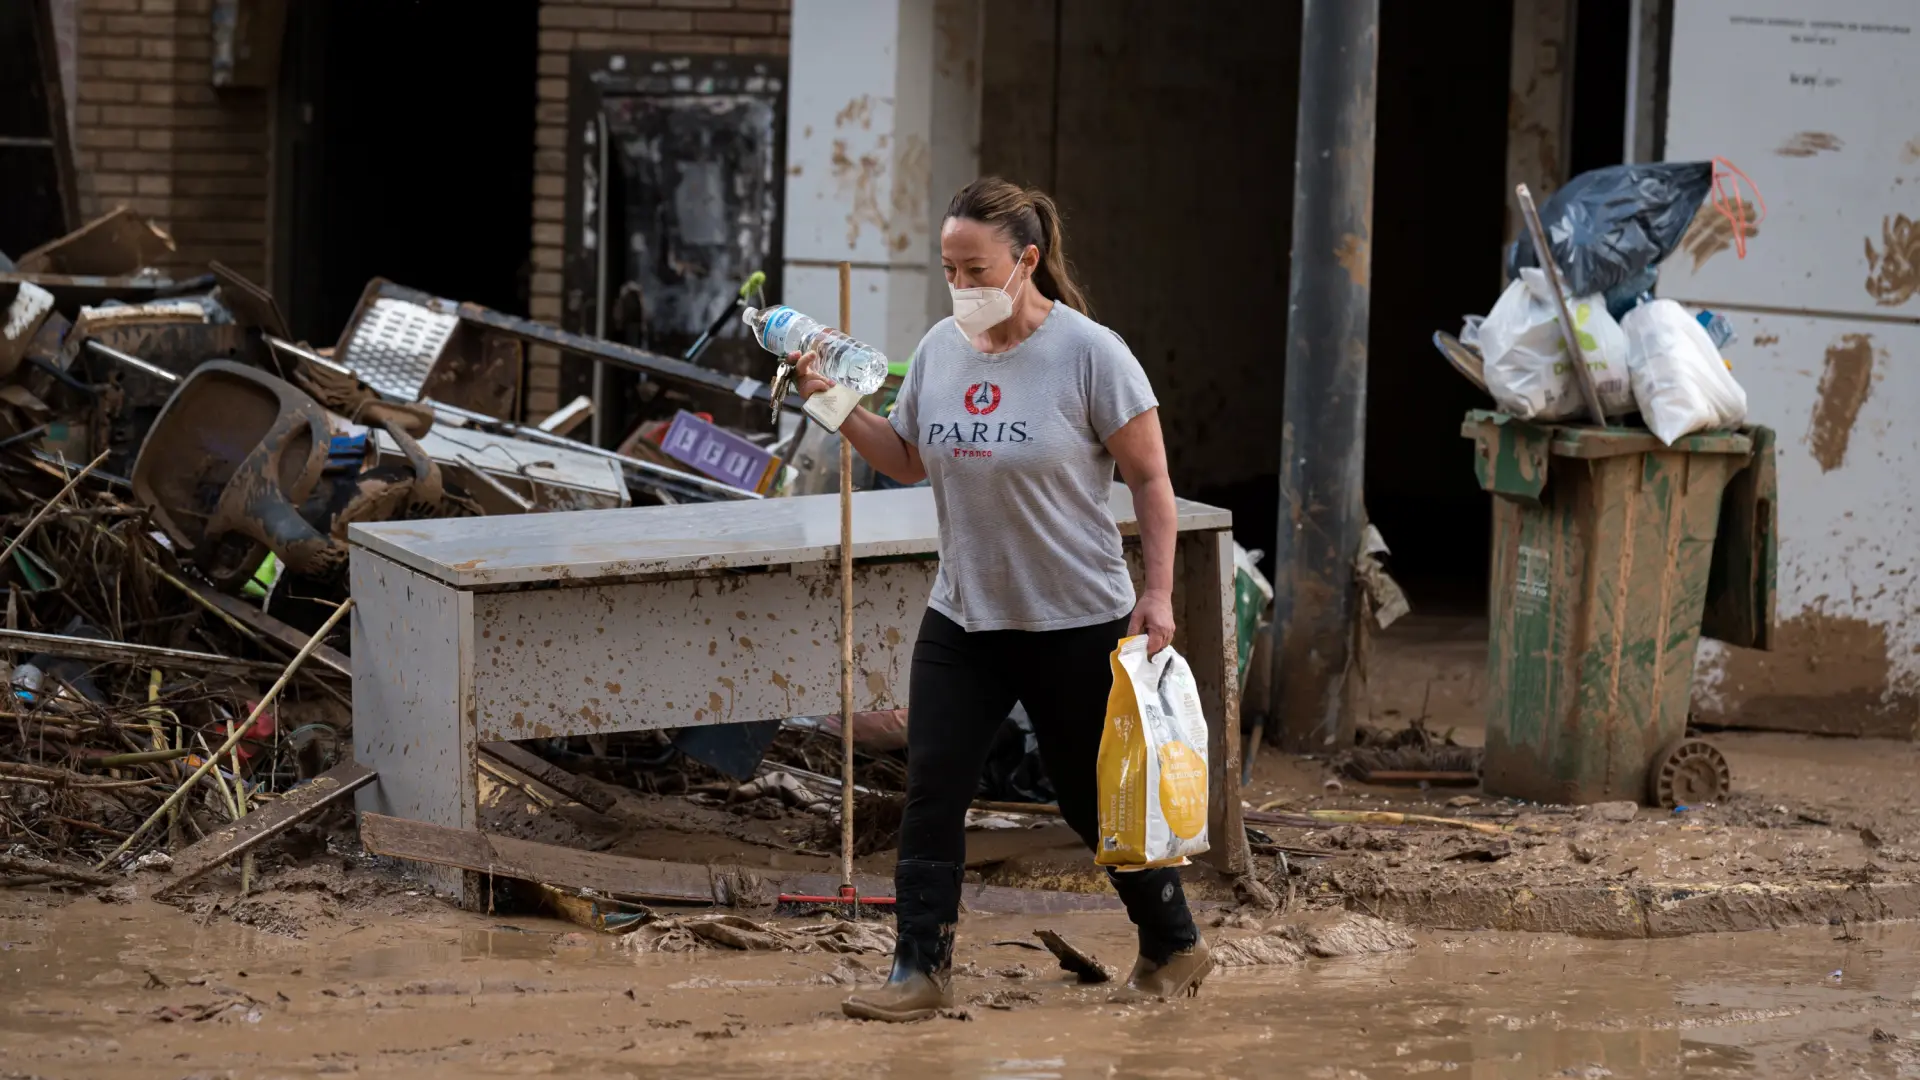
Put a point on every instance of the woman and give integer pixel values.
(1017, 409)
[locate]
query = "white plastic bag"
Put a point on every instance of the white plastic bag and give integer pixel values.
(1680, 381)
(1152, 769)
(1528, 370)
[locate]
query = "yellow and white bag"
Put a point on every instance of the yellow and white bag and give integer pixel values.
(1153, 762)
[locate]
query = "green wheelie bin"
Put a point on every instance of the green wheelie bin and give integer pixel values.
(1607, 557)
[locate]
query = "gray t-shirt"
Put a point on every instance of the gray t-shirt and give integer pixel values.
(1015, 446)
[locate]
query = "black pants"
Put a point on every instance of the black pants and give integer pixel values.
(964, 685)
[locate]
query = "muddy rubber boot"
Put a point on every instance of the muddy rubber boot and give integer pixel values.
(918, 988)
(1180, 973)
(927, 905)
(1173, 959)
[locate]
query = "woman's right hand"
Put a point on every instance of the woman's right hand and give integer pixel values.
(806, 380)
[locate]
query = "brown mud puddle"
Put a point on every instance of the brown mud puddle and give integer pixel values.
(142, 990)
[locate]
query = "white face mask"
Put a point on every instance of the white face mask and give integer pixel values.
(976, 311)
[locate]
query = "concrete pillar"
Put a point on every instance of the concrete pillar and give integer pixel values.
(1323, 430)
(883, 126)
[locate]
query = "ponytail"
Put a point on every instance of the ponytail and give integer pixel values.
(1025, 216)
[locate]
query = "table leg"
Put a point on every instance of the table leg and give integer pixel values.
(1210, 646)
(412, 697)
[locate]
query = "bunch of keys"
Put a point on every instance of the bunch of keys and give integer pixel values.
(829, 408)
(782, 382)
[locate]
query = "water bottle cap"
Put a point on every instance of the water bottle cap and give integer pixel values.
(747, 315)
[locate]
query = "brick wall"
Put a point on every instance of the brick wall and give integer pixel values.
(753, 27)
(153, 133)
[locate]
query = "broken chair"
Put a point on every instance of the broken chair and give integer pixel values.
(226, 465)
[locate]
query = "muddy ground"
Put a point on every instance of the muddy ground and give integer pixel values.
(337, 964)
(397, 985)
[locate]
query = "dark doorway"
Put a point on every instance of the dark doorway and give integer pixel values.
(37, 198)
(1439, 205)
(1597, 136)
(1165, 133)
(405, 146)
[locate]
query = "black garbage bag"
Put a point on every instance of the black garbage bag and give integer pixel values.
(1607, 226)
(1013, 771)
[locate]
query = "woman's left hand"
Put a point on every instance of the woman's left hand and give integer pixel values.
(1153, 616)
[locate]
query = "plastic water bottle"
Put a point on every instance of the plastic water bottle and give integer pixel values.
(781, 330)
(1718, 328)
(26, 681)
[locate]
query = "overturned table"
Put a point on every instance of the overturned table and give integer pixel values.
(474, 630)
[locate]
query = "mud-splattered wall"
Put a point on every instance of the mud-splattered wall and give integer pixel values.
(1816, 102)
(883, 127)
(1842, 397)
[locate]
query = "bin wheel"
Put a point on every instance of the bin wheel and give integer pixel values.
(1687, 773)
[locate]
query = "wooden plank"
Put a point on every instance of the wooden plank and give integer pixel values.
(652, 879)
(40, 868)
(119, 652)
(503, 773)
(524, 860)
(272, 627)
(262, 825)
(573, 786)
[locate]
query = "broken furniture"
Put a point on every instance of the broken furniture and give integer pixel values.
(144, 362)
(116, 244)
(669, 483)
(225, 467)
(412, 345)
(469, 631)
(24, 307)
(535, 477)
(1609, 549)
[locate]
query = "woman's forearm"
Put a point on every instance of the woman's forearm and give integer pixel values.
(1159, 521)
(886, 451)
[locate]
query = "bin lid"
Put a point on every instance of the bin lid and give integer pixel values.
(1512, 454)
(1567, 440)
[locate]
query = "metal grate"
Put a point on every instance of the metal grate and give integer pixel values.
(396, 344)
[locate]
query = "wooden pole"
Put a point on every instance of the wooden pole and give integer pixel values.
(1569, 333)
(846, 615)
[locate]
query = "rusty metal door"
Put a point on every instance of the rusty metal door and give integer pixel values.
(694, 176)
(676, 180)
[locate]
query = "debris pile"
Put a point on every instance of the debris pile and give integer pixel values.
(1410, 755)
(178, 475)
(126, 674)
